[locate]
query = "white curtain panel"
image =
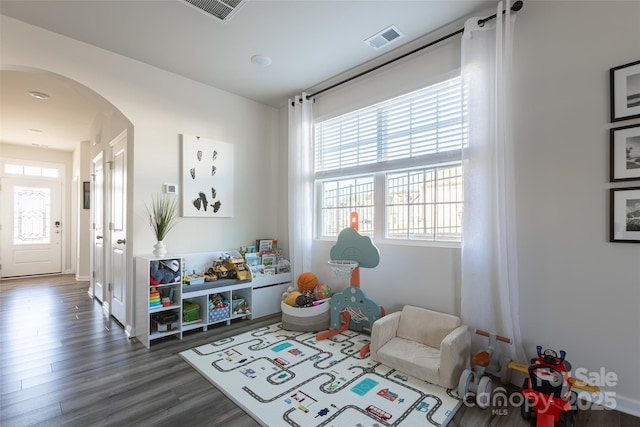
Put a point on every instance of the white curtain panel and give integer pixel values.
(300, 184)
(489, 256)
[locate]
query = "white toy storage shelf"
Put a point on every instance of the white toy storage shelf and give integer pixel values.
(246, 299)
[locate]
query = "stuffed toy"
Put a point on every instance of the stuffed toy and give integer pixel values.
(163, 272)
(290, 299)
(304, 300)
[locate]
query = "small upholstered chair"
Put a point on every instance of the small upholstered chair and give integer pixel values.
(425, 344)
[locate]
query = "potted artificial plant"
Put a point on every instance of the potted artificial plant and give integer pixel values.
(162, 214)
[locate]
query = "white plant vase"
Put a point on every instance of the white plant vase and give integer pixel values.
(160, 249)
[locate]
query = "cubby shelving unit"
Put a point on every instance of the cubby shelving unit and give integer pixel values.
(262, 296)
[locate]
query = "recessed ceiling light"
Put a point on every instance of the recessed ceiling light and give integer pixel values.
(39, 95)
(262, 60)
(35, 130)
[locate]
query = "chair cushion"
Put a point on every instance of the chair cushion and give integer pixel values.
(411, 358)
(425, 326)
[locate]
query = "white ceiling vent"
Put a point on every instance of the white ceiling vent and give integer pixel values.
(384, 37)
(221, 9)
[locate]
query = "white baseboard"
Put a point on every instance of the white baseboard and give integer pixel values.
(610, 401)
(628, 406)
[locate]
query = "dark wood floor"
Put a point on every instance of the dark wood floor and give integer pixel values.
(63, 363)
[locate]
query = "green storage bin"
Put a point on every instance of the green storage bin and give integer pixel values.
(190, 311)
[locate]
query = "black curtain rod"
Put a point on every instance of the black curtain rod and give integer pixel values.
(515, 7)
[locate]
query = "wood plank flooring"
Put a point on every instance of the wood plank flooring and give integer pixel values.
(64, 363)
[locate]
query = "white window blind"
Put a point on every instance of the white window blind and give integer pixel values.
(407, 129)
(397, 164)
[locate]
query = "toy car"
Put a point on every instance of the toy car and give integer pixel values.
(547, 392)
(220, 271)
(237, 268)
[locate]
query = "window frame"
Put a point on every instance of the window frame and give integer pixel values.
(381, 169)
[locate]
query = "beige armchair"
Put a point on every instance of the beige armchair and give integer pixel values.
(425, 344)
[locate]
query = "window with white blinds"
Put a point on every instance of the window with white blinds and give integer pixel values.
(407, 128)
(367, 161)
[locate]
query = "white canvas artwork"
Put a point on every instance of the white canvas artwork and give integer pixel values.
(207, 177)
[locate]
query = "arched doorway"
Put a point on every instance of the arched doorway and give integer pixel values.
(47, 115)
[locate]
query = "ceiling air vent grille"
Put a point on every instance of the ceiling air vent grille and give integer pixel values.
(384, 37)
(221, 9)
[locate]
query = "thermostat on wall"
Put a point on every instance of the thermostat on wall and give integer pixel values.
(170, 188)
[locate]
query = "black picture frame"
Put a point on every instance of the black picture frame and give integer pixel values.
(624, 153)
(86, 195)
(625, 91)
(624, 215)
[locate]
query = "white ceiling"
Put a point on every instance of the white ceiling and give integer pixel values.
(308, 41)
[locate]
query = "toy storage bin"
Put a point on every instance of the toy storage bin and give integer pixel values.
(306, 319)
(218, 314)
(190, 311)
(236, 301)
(220, 311)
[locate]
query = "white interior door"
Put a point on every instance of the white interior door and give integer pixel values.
(31, 232)
(118, 227)
(97, 214)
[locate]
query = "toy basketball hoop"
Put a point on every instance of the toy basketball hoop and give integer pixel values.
(342, 269)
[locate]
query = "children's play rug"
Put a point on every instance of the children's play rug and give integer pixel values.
(281, 378)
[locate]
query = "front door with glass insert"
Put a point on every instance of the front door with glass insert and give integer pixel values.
(31, 232)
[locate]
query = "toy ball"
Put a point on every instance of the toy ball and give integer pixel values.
(291, 298)
(322, 291)
(307, 281)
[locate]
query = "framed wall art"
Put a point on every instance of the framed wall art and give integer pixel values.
(625, 153)
(625, 91)
(207, 177)
(625, 214)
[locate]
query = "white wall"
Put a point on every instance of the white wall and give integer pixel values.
(578, 292)
(82, 173)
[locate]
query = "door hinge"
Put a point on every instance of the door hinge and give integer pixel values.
(110, 163)
(93, 274)
(109, 287)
